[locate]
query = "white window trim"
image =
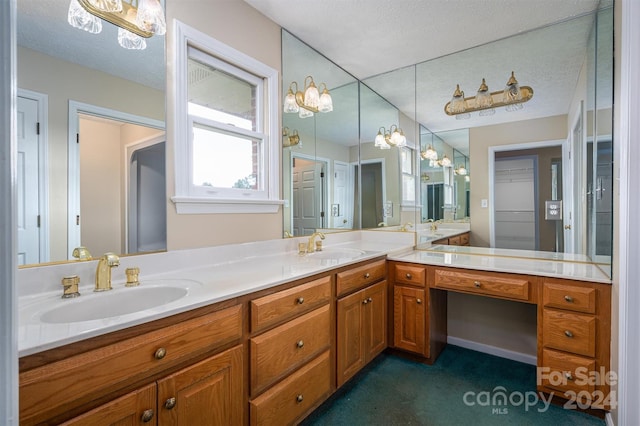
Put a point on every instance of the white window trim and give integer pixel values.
(185, 202)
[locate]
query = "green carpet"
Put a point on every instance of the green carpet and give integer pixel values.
(458, 389)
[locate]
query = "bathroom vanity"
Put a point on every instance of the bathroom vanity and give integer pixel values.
(266, 339)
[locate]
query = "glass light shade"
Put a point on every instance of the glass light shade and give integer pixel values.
(304, 113)
(487, 112)
(514, 107)
(512, 92)
(385, 145)
(79, 18)
(290, 104)
(431, 153)
(150, 17)
(463, 116)
(458, 104)
(379, 140)
(483, 97)
(311, 96)
(131, 41)
(445, 162)
(461, 170)
(396, 138)
(467, 178)
(325, 103)
(107, 5)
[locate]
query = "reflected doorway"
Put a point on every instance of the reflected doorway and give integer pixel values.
(308, 181)
(372, 194)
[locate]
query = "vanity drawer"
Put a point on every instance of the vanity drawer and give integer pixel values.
(464, 239)
(277, 307)
(569, 297)
(292, 398)
(503, 286)
(412, 275)
(566, 372)
(285, 348)
(50, 389)
(361, 276)
(454, 241)
(569, 332)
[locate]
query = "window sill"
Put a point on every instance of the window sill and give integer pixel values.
(194, 205)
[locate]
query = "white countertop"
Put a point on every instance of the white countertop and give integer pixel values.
(209, 275)
(546, 264)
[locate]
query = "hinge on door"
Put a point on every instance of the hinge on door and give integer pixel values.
(37, 128)
(77, 137)
(38, 221)
(77, 219)
(321, 174)
(321, 214)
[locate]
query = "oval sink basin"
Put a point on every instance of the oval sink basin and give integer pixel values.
(337, 253)
(117, 302)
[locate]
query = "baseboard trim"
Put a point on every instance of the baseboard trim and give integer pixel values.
(608, 418)
(493, 350)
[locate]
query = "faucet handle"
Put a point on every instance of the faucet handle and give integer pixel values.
(132, 277)
(81, 253)
(70, 284)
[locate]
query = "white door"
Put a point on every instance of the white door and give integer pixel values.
(341, 207)
(27, 180)
(307, 197)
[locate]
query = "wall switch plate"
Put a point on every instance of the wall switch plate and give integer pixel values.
(484, 203)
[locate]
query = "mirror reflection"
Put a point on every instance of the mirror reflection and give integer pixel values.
(571, 110)
(96, 164)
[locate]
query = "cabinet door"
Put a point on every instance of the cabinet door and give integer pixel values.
(409, 319)
(207, 393)
(350, 344)
(135, 408)
(375, 319)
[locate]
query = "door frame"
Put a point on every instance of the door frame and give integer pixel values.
(43, 170)
(73, 166)
(329, 181)
(566, 180)
(383, 170)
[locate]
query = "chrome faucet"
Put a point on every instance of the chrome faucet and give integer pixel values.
(406, 225)
(103, 271)
(311, 245)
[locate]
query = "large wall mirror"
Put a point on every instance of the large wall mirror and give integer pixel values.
(88, 190)
(560, 141)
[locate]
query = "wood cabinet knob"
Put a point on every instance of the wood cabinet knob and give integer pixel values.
(477, 284)
(300, 344)
(568, 375)
(367, 275)
(299, 398)
(419, 301)
(170, 403)
(147, 415)
(300, 300)
(160, 353)
(568, 333)
(365, 301)
(408, 276)
(569, 299)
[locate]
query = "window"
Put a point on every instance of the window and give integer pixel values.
(408, 177)
(226, 138)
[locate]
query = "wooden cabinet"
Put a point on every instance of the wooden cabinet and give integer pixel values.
(494, 284)
(574, 339)
(290, 352)
(455, 240)
(362, 325)
(208, 393)
(62, 388)
(419, 323)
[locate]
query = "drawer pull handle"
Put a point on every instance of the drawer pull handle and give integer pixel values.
(367, 275)
(300, 300)
(299, 398)
(408, 276)
(170, 403)
(419, 301)
(569, 299)
(300, 344)
(568, 333)
(568, 375)
(477, 284)
(147, 415)
(365, 301)
(160, 353)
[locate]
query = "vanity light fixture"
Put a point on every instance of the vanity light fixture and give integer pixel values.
(290, 139)
(429, 154)
(393, 137)
(461, 170)
(445, 161)
(512, 98)
(135, 19)
(309, 102)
